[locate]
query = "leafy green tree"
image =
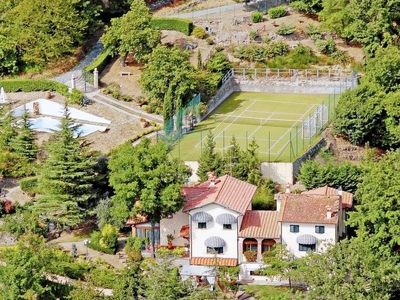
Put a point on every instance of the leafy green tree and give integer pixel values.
(168, 79)
(307, 6)
(360, 115)
(264, 197)
(8, 130)
(378, 214)
(146, 182)
(252, 163)
(210, 160)
(103, 212)
(132, 33)
(219, 63)
(66, 177)
(24, 143)
(351, 269)
(55, 28)
(345, 175)
(129, 284)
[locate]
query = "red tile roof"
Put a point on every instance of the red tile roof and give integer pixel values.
(210, 261)
(227, 191)
(185, 232)
(347, 198)
(260, 224)
(136, 220)
(302, 208)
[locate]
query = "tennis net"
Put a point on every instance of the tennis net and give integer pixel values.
(270, 122)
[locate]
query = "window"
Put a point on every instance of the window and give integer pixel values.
(213, 250)
(303, 247)
(319, 229)
(267, 245)
(250, 244)
(227, 226)
(202, 225)
(294, 228)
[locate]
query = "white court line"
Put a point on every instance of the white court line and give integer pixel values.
(237, 117)
(276, 112)
(255, 130)
(286, 102)
(301, 119)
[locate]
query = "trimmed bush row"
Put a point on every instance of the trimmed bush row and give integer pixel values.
(34, 85)
(183, 25)
(100, 62)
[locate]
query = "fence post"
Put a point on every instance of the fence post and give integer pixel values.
(297, 140)
(269, 146)
(290, 146)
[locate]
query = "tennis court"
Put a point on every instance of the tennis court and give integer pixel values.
(273, 120)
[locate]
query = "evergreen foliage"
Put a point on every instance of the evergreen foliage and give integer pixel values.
(210, 160)
(66, 177)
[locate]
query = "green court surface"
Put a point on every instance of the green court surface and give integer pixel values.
(273, 120)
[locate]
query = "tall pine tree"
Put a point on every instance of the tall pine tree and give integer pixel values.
(65, 179)
(209, 159)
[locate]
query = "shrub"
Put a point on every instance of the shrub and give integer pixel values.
(181, 25)
(109, 236)
(163, 252)
(286, 29)
(267, 39)
(257, 16)
(8, 207)
(210, 41)
(104, 277)
(199, 32)
(253, 35)
(95, 243)
(29, 185)
(219, 48)
(312, 29)
(327, 47)
(179, 252)
(277, 12)
(251, 255)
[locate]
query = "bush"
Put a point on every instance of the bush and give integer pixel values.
(181, 25)
(277, 12)
(327, 47)
(109, 236)
(210, 41)
(253, 34)
(257, 16)
(104, 277)
(286, 29)
(29, 185)
(199, 32)
(178, 252)
(95, 243)
(34, 85)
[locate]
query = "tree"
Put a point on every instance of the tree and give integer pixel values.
(351, 270)
(252, 163)
(209, 159)
(24, 143)
(378, 214)
(360, 115)
(168, 80)
(8, 130)
(130, 283)
(345, 175)
(103, 212)
(132, 33)
(146, 182)
(65, 179)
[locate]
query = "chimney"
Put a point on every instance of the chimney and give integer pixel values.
(211, 178)
(328, 212)
(340, 191)
(278, 198)
(287, 190)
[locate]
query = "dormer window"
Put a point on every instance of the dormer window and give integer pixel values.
(201, 225)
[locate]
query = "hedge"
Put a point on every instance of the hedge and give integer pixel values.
(183, 25)
(34, 85)
(100, 62)
(277, 12)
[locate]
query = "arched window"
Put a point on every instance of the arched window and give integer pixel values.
(267, 245)
(250, 244)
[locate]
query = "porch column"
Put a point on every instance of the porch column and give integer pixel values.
(133, 231)
(240, 250)
(259, 250)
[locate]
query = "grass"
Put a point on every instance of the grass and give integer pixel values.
(268, 292)
(270, 119)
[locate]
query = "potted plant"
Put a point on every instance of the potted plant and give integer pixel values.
(250, 255)
(170, 238)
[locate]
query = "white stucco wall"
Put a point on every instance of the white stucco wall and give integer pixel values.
(278, 172)
(173, 226)
(324, 239)
(198, 236)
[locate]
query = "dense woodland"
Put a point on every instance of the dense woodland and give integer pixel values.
(70, 185)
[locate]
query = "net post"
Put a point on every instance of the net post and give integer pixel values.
(201, 142)
(269, 146)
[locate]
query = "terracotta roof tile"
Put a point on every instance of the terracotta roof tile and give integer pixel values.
(260, 224)
(227, 191)
(347, 198)
(302, 208)
(210, 261)
(136, 220)
(185, 231)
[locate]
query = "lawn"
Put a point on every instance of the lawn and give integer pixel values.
(268, 292)
(273, 120)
